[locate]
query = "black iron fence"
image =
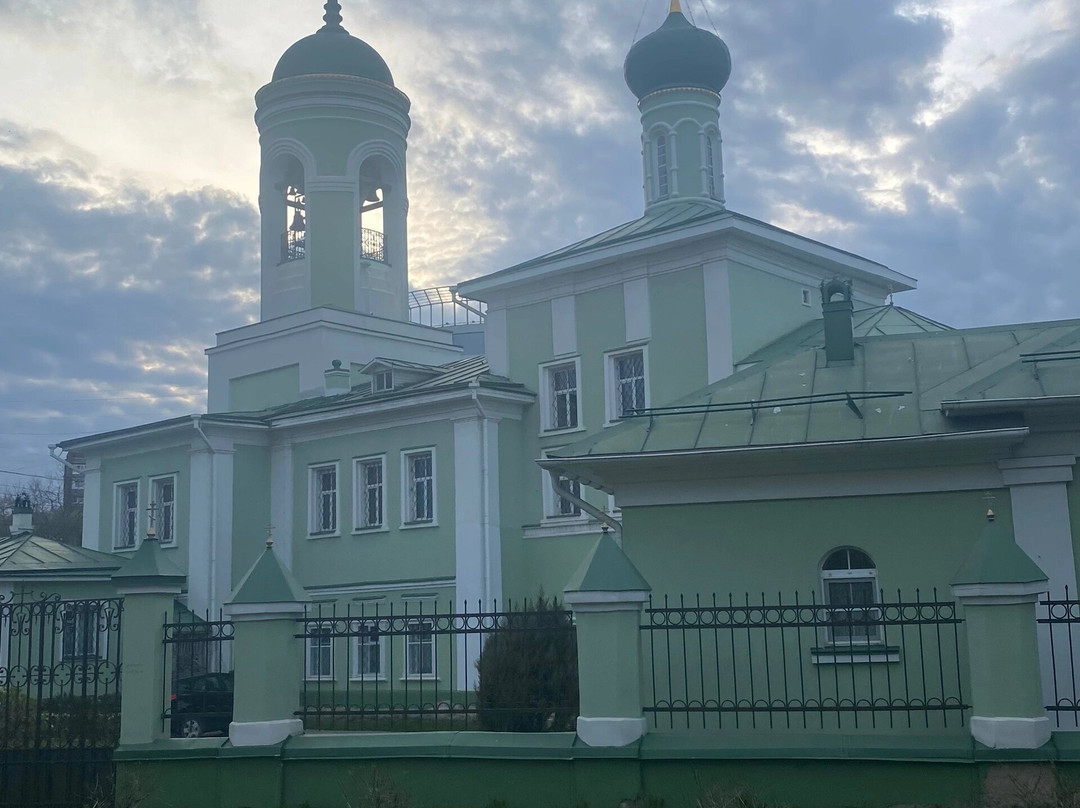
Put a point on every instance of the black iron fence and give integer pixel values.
(1060, 644)
(59, 700)
(372, 245)
(776, 664)
(422, 667)
(197, 698)
(293, 246)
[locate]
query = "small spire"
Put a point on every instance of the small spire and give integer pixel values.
(269, 536)
(332, 17)
(676, 7)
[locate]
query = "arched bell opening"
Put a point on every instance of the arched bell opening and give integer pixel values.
(376, 187)
(291, 210)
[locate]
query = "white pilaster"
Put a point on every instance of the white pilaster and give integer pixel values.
(718, 338)
(223, 525)
(281, 501)
(563, 325)
(91, 516)
(636, 310)
(210, 526)
(496, 344)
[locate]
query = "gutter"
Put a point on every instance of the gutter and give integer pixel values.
(984, 406)
(53, 448)
(596, 513)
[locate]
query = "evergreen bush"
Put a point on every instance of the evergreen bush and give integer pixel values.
(528, 675)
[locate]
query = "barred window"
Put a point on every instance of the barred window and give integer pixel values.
(369, 493)
(709, 166)
(629, 382)
(324, 499)
(319, 658)
(662, 184)
(420, 487)
(368, 652)
(127, 515)
(420, 649)
(849, 579)
(163, 497)
(562, 390)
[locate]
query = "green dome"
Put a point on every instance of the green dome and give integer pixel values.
(332, 50)
(677, 55)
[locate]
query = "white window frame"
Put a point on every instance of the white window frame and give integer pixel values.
(310, 647)
(408, 517)
(120, 512)
(862, 575)
(430, 639)
(612, 398)
(359, 491)
(380, 642)
(382, 381)
(710, 165)
(78, 628)
(807, 298)
(547, 421)
(159, 512)
(663, 170)
(552, 500)
(314, 504)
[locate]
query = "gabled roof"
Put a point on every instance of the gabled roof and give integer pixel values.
(27, 554)
(894, 388)
(869, 322)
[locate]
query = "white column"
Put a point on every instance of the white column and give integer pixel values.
(478, 548)
(91, 516)
(1041, 525)
(281, 501)
(221, 562)
(210, 526)
(200, 530)
(718, 337)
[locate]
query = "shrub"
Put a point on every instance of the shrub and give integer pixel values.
(528, 677)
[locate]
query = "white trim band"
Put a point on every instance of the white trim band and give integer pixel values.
(1010, 733)
(264, 733)
(1002, 594)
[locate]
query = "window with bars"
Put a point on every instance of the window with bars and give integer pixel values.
(163, 497)
(627, 373)
(324, 499)
(420, 487)
(849, 578)
(370, 474)
(662, 182)
(127, 515)
(319, 656)
(710, 174)
(562, 394)
(420, 650)
(85, 631)
(562, 505)
(368, 653)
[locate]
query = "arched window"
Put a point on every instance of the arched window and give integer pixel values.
(849, 580)
(710, 171)
(662, 183)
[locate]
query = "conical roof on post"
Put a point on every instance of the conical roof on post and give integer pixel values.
(268, 581)
(607, 569)
(998, 559)
(150, 567)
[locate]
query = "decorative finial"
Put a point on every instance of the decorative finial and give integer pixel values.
(269, 536)
(676, 7)
(989, 498)
(332, 17)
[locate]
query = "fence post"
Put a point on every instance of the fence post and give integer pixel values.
(607, 596)
(149, 583)
(998, 587)
(268, 662)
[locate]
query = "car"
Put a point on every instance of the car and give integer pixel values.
(202, 705)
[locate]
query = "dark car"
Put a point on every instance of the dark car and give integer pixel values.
(202, 705)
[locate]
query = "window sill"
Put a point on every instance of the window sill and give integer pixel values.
(553, 528)
(319, 679)
(854, 655)
(367, 531)
(418, 525)
(420, 677)
(379, 678)
(131, 549)
(329, 534)
(551, 433)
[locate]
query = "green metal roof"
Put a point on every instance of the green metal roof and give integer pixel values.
(268, 581)
(997, 559)
(873, 321)
(24, 553)
(894, 388)
(607, 569)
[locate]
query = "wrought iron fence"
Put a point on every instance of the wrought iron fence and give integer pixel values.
(372, 245)
(197, 698)
(293, 246)
(1059, 645)
(59, 700)
(443, 307)
(419, 667)
(893, 663)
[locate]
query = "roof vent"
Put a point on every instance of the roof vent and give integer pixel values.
(336, 380)
(22, 515)
(836, 307)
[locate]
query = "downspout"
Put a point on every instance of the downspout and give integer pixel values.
(195, 420)
(596, 513)
(63, 460)
(485, 520)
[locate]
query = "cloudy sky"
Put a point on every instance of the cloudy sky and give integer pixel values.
(940, 137)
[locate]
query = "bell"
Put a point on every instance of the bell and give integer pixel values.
(298, 224)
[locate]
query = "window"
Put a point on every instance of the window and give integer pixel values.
(662, 184)
(324, 499)
(559, 400)
(627, 387)
(368, 653)
(163, 497)
(85, 631)
(319, 653)
(369, 477)
(419, 470)
(384, 381)
(78, 477)
(709, 166)
(557, 506)
(420, 650)
(806, 299)
(127, 515)
(849, 579)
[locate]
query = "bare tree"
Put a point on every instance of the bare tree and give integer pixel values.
(51, 519)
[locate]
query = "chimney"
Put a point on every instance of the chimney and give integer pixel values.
(22, 515)
(836, 308)
(336, 380)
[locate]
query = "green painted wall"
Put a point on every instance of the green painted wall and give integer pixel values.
(678, 363)
(754, 293)
(266, 389)
(143, 467)
(1072, 490)
(251, 507)
(397, 553)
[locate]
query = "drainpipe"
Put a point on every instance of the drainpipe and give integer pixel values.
(63, 460)
(589, 508)
(485, 522)
(195, 420)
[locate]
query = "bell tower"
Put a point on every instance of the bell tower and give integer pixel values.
(332, 188)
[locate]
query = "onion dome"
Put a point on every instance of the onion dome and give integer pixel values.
(333, 50)
(677, 54)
